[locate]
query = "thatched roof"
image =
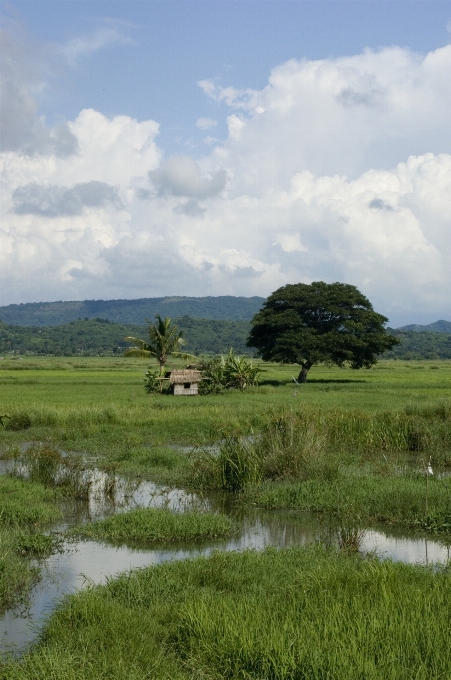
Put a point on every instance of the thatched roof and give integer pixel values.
(185, 376)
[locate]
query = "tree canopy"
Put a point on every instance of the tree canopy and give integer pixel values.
(306, 324)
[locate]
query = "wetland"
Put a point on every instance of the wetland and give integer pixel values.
(283, 532)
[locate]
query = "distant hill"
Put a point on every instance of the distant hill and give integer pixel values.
(132, 311)
(97, 337)
(441, 326)
(420, 345)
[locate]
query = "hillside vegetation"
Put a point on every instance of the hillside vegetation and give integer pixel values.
(100, 337)
(440, 326)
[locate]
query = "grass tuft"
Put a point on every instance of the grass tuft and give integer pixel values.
(151, 525)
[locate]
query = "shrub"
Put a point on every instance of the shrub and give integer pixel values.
(17, 421)
(154, 381)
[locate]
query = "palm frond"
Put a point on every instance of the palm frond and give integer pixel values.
(142, 353)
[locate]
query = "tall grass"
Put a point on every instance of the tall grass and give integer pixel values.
(46, 465)
(25, 503)
(278, 615)
(317, 444)
(398, 500)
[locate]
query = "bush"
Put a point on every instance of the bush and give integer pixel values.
(212, 376)
(232, 371)
(154, 382)
(18, 421)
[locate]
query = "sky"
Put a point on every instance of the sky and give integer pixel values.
(222, 147)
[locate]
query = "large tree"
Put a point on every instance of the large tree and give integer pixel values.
(306, 324)
(164, 340)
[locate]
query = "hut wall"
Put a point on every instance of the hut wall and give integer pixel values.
(180, 389)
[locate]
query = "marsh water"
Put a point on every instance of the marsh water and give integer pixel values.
(88, 562)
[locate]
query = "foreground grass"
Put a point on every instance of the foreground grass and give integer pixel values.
(152, 525)
(25, 508)
(277, 615)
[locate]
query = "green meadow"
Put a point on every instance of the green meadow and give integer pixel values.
(352, 445)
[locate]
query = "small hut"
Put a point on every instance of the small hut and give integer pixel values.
(185, 381)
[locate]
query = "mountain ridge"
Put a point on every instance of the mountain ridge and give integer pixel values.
(222, 307)
(122, 311)
(440, 326)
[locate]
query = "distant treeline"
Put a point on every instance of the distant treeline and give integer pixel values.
(226, 307)
(94, 337)
(97, 337)
(420, 345)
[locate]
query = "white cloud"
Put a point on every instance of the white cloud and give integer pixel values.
(23, 68)
(337, 170)
(83, 45)
(206, 123)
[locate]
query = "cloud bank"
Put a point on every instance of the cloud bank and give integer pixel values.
(337, 170)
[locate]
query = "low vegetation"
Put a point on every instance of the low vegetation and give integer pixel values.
(278, 615)
(152, 525)
(26, 509)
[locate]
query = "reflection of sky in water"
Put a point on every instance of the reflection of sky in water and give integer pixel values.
(93, 562)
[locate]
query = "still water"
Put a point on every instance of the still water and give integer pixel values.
(86, 562)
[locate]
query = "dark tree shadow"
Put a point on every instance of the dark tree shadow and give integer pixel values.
(339, 380)
(310, 381)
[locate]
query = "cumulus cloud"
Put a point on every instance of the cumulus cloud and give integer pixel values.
(338, 169)
(339, 116)
(83, 45)
(181, 176)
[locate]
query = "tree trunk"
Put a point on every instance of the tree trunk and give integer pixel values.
(302, 377)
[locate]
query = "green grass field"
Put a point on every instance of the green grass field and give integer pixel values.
(69, 394)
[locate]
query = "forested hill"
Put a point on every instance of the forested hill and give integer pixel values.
(96, 337)
(132, 311)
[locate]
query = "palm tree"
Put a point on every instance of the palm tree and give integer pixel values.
(164, 340)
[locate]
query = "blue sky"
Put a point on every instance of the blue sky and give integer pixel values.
(163, 48)
(226, 147)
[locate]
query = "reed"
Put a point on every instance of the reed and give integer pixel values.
(397, 500)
